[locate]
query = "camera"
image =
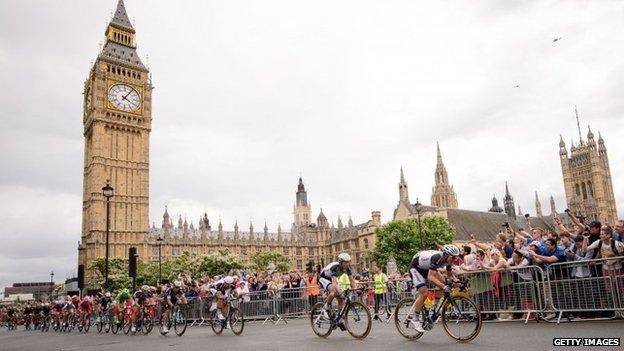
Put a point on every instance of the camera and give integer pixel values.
(505, 225)
(567, 210)
(526, 215)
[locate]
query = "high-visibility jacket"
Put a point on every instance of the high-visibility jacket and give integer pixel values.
(344, 282)
(312, 286)
(380, 280)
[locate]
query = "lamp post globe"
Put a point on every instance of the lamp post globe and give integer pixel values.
(418, 207)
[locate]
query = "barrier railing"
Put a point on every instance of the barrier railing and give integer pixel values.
(515, 291)
(519, 292)
(582, 286)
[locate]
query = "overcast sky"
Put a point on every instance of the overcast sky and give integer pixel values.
(251, 94)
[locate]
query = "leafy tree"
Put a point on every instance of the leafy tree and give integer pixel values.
(217, 264)
(148, 271)
(403, 239)
(117, 273)
(260, 261)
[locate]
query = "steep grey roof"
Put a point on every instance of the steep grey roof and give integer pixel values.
(120, 19)
(117, 53)
(485, 225)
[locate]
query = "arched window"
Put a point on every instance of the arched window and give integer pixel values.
(584, 190)
(578, 189)
(591, 188)
(366, 244)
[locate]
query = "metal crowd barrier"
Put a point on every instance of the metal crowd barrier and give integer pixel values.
(589, 285)
(516, 291)
(519, 293)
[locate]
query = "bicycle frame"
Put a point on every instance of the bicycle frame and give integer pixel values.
(432, 316)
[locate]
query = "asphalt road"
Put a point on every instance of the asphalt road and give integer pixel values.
(297, 335)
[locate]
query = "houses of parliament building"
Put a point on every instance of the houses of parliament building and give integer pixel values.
(117, 122)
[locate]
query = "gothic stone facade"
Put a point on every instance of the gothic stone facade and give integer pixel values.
(117, 122)
(306, 241)
(587, 179)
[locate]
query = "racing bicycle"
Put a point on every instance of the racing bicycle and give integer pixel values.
(356, 316)
(461, 318)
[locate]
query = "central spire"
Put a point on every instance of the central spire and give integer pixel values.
(578, 124)
(443, 194)
(120, 18)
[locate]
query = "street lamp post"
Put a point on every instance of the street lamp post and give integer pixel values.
(51, 285)
(160, 240)
(107, 191)
(418, 207)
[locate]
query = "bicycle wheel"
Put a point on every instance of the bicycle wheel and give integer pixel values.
(115, 325)
(100, 323)
(107, 323)
(179, 322)
(147, 324)
(126, 324)
(358, 320)
(215, 323)
(321, 322)
(461, 318)
(237, 322)
(403, 316)
(87, 324)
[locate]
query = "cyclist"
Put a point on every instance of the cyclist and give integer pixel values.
(71, 303)
(141, 297)
(85, 309)
(37, 314)
(329, 282)
(45, 311)
(172, 297)
(124, 301)
(11, 315)
(57, 310)
(27, 315)
(423, 269)
(104, 301)
(223, 288)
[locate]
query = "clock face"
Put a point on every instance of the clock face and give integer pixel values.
(124, 97)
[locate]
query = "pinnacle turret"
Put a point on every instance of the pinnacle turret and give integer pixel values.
(120, 18)
(442, 194)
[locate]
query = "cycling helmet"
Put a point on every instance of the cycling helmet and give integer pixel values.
(228, 280)
(108, 294)
(344, 257)
(145, 287)
(451, 250)
(177, 284)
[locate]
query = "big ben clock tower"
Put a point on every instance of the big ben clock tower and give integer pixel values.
(117, 122)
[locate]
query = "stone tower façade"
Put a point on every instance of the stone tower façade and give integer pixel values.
(442, 194)
(301, 210)
(117, 122)
(587, 178)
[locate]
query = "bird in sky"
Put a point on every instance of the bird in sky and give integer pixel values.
(556, 39)
(516, 86)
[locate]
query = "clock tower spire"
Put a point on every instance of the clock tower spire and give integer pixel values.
(117, 121)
